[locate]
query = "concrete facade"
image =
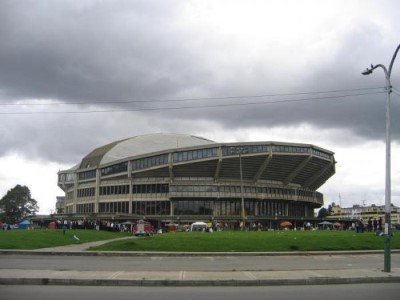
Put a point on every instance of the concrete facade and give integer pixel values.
(182, 178)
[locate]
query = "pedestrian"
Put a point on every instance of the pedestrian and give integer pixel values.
(308, 226)
(369, 225)
(241, 225)
(375, 224)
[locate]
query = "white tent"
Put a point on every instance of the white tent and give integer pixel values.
(325, 224)
(200, 225)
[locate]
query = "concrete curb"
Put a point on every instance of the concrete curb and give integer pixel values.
(72, 252)
(181, 283)
(197, 278)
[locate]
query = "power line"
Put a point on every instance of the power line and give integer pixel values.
(190, 99)
(196, 107)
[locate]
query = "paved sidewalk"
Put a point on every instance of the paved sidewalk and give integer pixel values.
(79, 247)
(196, 278)
(186, 278)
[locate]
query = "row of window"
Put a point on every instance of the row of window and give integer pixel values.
(289, 149)
(151, 208)
(85, 208)
(123, 190)
(162, 188)
(148, 162)
(220, 208)
(118, 168)
(194, 188)
(66, 177)
(226, 208)
(114, 207)
(86, 192)
(244, 149)
(246, 189)
(87, 175)
(114, 190)
(136, 189)
(232, 150)
(195, 154)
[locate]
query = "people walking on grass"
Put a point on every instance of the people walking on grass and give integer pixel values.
(375, 224)
(369, 225)
(359, 227)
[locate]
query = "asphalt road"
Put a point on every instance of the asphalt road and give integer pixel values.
(195, 263)
(318, 292)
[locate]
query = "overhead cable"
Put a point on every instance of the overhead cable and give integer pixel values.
(189, 99)
(285, 101)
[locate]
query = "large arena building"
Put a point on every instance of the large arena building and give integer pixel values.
(182, 178)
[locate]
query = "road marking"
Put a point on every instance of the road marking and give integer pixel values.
(156, 258)
(250, 275)
(115, 275)
(210, 258)
(314, 273)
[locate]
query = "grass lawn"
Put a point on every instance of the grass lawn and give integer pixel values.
(225, 241)
(36, 239)
(236, 241)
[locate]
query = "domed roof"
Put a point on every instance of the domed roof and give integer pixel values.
(139, 145)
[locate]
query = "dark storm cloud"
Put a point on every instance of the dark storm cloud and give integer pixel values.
(65, 138)
(103, 51)
(82, 51)
(339, 69)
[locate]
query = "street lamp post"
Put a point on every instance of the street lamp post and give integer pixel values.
(388, 159)
(240, 151)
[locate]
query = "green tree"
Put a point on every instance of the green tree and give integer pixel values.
(330, 207)
(17, 204)
(322, 213)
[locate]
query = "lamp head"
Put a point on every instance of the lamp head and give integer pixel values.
(368, 71)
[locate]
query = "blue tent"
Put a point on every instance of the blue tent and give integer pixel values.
(24, 224)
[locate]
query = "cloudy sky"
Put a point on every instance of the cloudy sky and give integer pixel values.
(75, 75)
